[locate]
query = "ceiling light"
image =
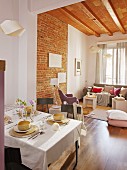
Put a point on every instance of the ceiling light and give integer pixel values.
(11, 28)
(107, 55)
(94, 49)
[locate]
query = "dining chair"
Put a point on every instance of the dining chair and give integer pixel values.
(45, 101)
(13, 159)
(70, 109)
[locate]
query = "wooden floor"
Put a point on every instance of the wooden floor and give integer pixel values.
(103, 148)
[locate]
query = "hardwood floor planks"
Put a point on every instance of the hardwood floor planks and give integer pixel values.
(103, 148)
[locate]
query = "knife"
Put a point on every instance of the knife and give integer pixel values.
(33, 135)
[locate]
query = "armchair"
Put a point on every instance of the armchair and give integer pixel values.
(67, 97)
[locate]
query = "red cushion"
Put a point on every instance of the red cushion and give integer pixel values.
(97, 90)
(117, 91)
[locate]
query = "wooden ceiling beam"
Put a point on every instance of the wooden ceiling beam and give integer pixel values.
(95, 18)
(109, 6)
(77, 20)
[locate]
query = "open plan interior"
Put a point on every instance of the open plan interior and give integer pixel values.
(63, 85)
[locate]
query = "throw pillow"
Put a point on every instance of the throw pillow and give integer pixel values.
(97, 90)
(123, 91)
(117, 114)
(108, 88)
(117, 91)
(112, 92)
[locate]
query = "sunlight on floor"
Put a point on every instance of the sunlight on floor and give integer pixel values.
(89, 108)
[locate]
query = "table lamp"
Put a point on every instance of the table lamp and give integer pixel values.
(54, 82)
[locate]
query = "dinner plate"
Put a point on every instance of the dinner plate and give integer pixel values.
(57, 120)
(53, 120)
(20, 131)
(56, 107)
(64, 121)
(30, 132)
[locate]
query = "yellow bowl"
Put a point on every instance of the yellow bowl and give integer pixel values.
(58, 116)
(24, 125)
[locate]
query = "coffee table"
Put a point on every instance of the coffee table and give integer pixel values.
(90, 100)
(119, 104)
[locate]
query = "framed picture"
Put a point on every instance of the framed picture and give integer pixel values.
(77, 67)
(55, 60)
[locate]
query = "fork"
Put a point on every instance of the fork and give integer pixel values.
(11, 126)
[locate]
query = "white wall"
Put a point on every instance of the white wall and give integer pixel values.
(92, 40)
(77, 48)
(9, 50)
(27, 53)
(19, 52)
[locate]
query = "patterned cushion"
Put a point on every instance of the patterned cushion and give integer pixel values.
(108, 88)
(123, 91)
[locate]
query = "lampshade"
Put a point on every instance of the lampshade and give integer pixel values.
(54, 82)
(12, 28)
(94, 49)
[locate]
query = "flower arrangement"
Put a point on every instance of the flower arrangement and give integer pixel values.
(22, 104)
(32, 102)
(26, 108)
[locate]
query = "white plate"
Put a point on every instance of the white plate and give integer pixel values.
(56, 107)
(17, 130)
(54, 120)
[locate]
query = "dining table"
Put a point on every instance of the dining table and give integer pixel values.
(45, 145)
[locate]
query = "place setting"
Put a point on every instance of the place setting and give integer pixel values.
(58, 118)
(24, 128)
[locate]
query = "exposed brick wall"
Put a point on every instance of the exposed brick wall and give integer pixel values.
(52, 37)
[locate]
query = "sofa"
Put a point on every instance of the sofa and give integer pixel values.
(112, 90)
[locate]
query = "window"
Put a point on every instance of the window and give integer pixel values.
(111, 65)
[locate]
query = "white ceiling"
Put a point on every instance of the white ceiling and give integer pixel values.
(40, 6)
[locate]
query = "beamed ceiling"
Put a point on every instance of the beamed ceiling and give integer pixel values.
(95, 17)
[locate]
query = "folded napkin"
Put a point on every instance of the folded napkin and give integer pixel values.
(7, 119)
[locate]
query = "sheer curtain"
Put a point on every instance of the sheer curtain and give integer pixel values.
(101, 65)
(112, 70)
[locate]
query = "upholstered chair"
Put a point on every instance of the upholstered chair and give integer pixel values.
(68, 98)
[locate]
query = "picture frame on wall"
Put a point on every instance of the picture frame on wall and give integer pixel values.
(77, 67)
(55, 60)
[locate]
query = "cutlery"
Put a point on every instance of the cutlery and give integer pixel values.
(35, 135)
(40, 133)
(11, 126)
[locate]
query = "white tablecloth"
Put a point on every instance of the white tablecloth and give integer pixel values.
(39, 152)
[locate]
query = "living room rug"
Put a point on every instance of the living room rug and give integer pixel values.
(98, 114)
